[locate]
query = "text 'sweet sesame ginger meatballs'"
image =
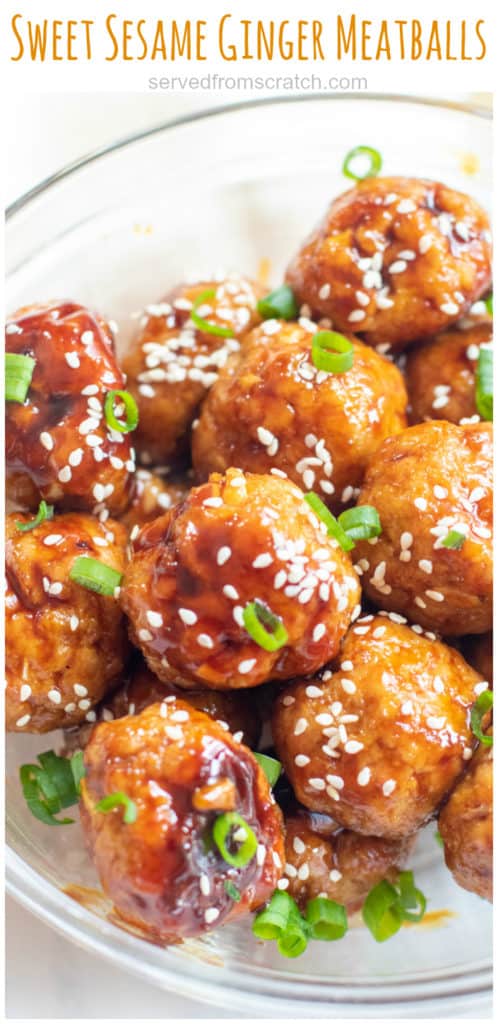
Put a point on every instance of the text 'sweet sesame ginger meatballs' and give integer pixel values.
(395, 259)
(64, 438)
(432, 488)
(379, 742)
(239, 584)
(65, 644)
(274, 408)
(196, 838)
(176, 357)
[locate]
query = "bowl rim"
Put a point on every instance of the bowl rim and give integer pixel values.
(464, 107)
(444, 991)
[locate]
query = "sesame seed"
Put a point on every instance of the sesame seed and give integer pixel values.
(211, 914)
(363, 777)
(434, 595)
(300, 727)
(213, 502)
(353, 747)
(260, 855)
(478, 688)
(204, 885)
(425, 565)
(298, 845)
(303, 872)
(54, 696)
(398, 267)
(204, 640)
(318, 632)
(72, 360)
(154, 619)
(436, 723)
(449, 308)
(22, 721)
(224, 553)
(335, 875)
(288, 700)
(230, 592)
(144, 635)
(262, 561)
(246, 666)
(25, 693)
(80, 690)
(440, 492)
(406, 540)
(75, 457)
(313, 691)
(301, 760)
(317, 784)
(52, 538)
(283, 883)
(389, 787)
(64, 474)
(421, 504)
(46, 440)
(187, 616)
(87, 337)
(324, 291)
(406, 206)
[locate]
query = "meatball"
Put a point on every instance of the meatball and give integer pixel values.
(172, 363)
(238, 540)
(396, 259)
(271, 408)
(234, 711)
(152, 495)
(65, 645)
(59, 445)
(466, 826)
(324, 860)
(182, 771)
(478, 652)
(379, 742)
(441, 375)
(432, 487)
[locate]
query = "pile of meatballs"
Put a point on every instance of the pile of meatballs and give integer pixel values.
(239, 623)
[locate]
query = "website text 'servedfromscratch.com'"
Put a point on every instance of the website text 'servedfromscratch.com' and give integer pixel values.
(212, 82)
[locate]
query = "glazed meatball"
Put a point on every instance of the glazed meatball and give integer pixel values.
(271, 408)
(432, 486)
(234, 711)
(466, 826)
(59, 445)
(182, 771)
(324, 860)
(172, 363)
(65, 645)
(151, 496)
(234, 541)
(478, 651)
(396, 259)
(379, 742)
(441, 375)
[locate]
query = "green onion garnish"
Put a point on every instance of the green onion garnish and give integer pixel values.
(483, 704)
(386, 907)
(94, 575)
(232, 891)
(18, 374)
(484, 384)
(373, 167)
(361, 523)
(131, 410)
(52, 785)
(327, 919)
(454, 540)
(118, 799)
(439, 839)
(489, 304)
(332, 352)
(265, 628)
(44, 512)
(280, 304)
(271, 767)
(205, 325)
(334, 529)
(232, 827)
(283, 922)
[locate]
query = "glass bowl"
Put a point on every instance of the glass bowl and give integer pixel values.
(238, 188)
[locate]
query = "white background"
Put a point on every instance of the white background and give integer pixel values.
(47, 976)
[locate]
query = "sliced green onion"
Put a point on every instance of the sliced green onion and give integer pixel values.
(226, 828)
(454, 540)
(483, 704)
(439, 839)
(412, 900)
(282, 922)
(332, 352)
(232, 891)
(52, 785)
(489, 304)
(381, 911)
(271, 767)
(374, 163)
(386, 907)
(94, 575)
(205, 325)
(484, 384)
(334, 528)
(280, 304)
(118, 799)
(131, 410)
(361, 522)
(44, 512)
(265, 628)
(18, 375)
(327, 919)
